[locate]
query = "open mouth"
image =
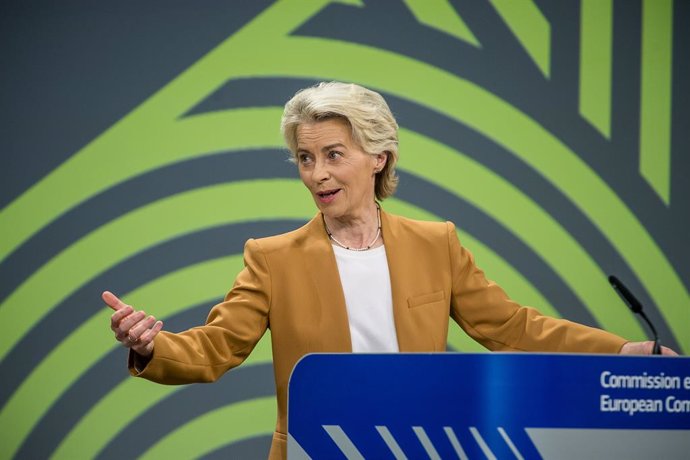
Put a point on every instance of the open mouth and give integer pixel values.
(327, 195)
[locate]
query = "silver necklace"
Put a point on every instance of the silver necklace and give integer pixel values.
(366, 248)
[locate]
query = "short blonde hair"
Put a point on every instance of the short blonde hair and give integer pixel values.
(374, 128)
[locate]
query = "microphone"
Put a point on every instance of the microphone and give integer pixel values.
(636, 307)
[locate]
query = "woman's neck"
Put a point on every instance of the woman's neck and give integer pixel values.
(356, 232)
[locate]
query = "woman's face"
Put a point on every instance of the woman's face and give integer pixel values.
(339, 175)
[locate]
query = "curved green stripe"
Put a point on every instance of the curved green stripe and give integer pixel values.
(92, 340)
(114, 412)
(530, 27)
(129, 149)
(441, 15)
(522, 216)
(216, 429)
(655, 97)
(111, 415)
(357, 3)
(139, 229)
(596, 47)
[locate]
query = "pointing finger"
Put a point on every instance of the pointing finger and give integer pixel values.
(112, 300)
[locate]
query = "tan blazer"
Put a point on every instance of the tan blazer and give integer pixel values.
(291, 285)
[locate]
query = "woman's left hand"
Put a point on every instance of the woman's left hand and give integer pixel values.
(644, 348)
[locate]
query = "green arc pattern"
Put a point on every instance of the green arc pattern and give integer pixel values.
(116, 152)
(117, 409)
(216, 429)
(109, 416)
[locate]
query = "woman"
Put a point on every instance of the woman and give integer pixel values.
(354, 278)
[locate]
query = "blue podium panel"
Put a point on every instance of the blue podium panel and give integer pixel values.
(492, 405)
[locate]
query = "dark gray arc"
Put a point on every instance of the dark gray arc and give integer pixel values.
(501, 55)
(254, 448)
(192, 401)
(133, 193)
(99, 380)
(241, 93)
(136, 271)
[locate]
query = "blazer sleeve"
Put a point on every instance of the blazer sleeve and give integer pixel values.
(232, 330)
(489, 316)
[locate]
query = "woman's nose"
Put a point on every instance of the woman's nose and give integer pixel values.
(320, 172)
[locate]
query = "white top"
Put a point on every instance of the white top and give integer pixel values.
(366, 283)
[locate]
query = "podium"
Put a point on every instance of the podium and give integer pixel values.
(490, 405)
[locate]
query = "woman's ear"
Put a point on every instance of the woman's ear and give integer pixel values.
(381, 159)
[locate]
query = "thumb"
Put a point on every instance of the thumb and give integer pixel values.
(112, 300)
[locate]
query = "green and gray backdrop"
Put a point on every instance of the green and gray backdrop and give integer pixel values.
(140, 149)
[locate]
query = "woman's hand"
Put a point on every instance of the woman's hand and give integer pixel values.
(644, 348)
(133, 329)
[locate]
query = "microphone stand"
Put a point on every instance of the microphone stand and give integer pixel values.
(636, 308)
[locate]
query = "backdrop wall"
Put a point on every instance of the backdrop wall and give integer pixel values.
(141, 147)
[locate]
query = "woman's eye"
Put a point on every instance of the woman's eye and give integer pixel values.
(304, 159)
(333, 154)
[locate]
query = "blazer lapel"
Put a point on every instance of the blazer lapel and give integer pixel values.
(323, 269)
(405, 258)
(396, 254)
